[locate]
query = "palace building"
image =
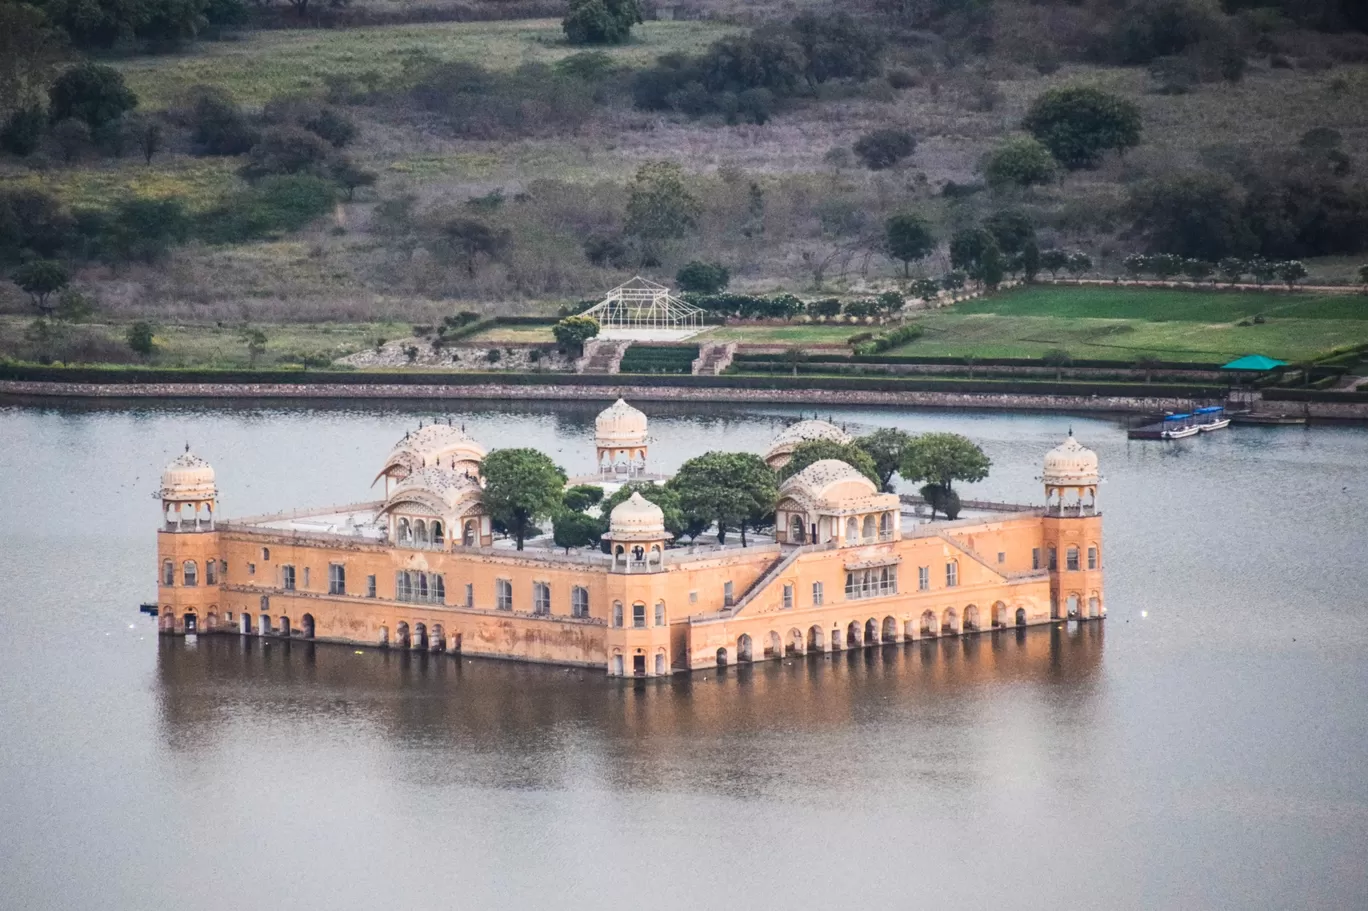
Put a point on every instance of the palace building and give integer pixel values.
(847, 566)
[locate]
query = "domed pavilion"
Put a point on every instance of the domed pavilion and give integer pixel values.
(620, 441)
(187, 485)
(780, 451)
(432, 504)
(1071, 478)
(831, 501)
(432, 446)
(636, 535)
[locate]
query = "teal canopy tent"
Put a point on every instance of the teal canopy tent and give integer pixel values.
(1256, 362)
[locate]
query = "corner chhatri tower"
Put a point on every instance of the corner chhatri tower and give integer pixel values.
(847, 566)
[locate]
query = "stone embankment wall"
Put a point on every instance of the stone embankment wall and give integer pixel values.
(633, 392)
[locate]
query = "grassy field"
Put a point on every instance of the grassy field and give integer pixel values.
(267, 63)
(200, 181)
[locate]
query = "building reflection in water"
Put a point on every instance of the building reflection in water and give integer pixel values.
(483, 723)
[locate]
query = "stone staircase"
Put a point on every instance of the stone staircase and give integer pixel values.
(602, 355)
(768, 576)
(713, 358)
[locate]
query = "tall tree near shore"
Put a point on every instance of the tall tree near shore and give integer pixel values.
(522, 486)
(886, 447)
(941, 459)
(732, 489)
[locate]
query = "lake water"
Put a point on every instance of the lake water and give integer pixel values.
(1206, 747)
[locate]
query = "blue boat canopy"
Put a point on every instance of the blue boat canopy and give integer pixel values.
(1254, 362)
(1209, 409)
(1177, 417)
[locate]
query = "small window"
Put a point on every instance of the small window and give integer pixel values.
(1092, 558)
(211, 572)
(638, 616)
(816, 594)
(168, 573)
(693, 597)
(1054, 559)
(951, 574)
(660, 613)
(251, 569)
(370, 586)
(788, 597)
(337, 579)
(923, 578)
(1071, 560)
(1002, 557)
(403, 586)
(579, 602)
(265, 603)
(287, 578)
(438, 589)
(470, 594)
(541, 599)
(306, 577)
(728, 597)
(1035, 558)
(503, 594)
(265, 554)
(617, 613)
(191, 570)
(223, 570)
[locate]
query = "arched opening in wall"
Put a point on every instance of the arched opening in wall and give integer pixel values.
(743, 647)
(420, 533)
(721, 657)
(774, 646)
(1094, 606)
(404, 532)
(384, 637)
(1021, 616)
(852, 530)
(950, 622)
(929, 626)
(660, 664)
(468, 534)
(190, 623)
(420, 639)
(797, 531)
(853, 634)
(211, 622)
(438, 535)
(796, 644)
(246, 624)
(401, 635)
(456, 643)
(869, 528)
(285, 627)
(971, 619)
(890, 630)
(885, 525)
(910, 630)
(438, 638)
(871, 632)
(1072, 607)
(264, 625)
(999, 614)
(306, 626)
(816, 642)
(166, 621)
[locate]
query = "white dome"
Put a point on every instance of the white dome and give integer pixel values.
(431, 446)
(188, 477)
(636, 519)
(441, 491)
(1070, 463)
(781, 450)
(620, 425)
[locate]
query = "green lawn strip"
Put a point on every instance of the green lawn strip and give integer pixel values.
(291, 61)
(1164, 304)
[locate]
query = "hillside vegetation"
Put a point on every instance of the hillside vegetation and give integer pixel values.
(402, 172)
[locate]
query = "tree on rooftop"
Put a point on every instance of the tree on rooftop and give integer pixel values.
(805, 453)
(522, 486)
(730, 489)
(577, 529)
(581, 497)
(886, 447)
(942, 459)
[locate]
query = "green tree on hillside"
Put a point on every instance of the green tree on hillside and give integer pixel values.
(41, 279)
(660, 207)
(1079, 123)
(1022, 161)
(93, 94)
(522, 486)
(600, 21)
(908, 238)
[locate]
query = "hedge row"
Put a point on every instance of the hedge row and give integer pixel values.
(1313, 395)
(659, 359)
(1120, 375)
(825, 358)
(170, 376)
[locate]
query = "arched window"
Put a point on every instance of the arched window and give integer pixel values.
(503, 592)
(265, 603)
(405, 532)
(438, 589)
(190, 571)
(660, 613)
(1054, 558)
(438, 534)
(885, 524)
(660, 664)
(1071, 559)
(468, 536)
(638, 616)
(617, 613)
(1092, 557)
(168, 573)
(952, 574)
(852, 530)
(579, 602)
(420, 533)
(210, 572)
(869, 528)
(796, 530)
(541, 599)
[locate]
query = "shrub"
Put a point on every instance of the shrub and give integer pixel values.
(140, 338)
(287, 150)
(901, 79)
(702, 278)
(217, 124)
(893, 338)
(1161, 28)
(884, 148)
(908, 238)
(600, 21)
(1022, 161)
(573, 331)
(73, 138)
(33, 223)
(273, 206)
(90, 93)
(532, 100)
(607, 251)
(1079, 123)
(826, 307)
(23, 130)
(41, 279)
(141, 229)
(1194, 215)
(836, 46)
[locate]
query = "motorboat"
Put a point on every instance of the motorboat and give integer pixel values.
(1179, 426)
(1211, 418)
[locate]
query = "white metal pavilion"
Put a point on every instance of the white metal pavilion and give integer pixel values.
(641, 310)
